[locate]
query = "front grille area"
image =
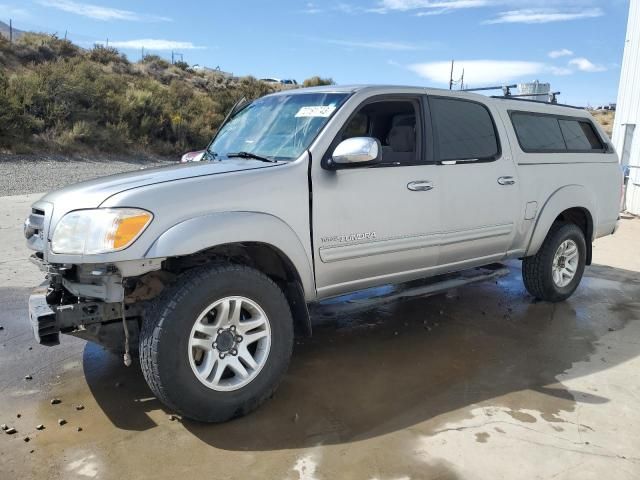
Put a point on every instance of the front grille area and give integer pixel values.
(34, 230)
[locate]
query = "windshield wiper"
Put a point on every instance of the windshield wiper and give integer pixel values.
(250, 155)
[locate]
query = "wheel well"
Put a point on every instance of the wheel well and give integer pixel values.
(263, 257)
(582, 218)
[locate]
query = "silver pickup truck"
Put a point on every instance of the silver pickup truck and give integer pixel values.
(207, 268)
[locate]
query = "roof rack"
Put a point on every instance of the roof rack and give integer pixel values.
(506, 89)
(555, 102)
(506, 93)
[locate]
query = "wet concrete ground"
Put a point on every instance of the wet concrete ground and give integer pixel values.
(482, 382)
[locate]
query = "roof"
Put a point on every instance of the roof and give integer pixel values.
(370, 88)
(511, 103)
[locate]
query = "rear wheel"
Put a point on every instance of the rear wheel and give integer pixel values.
(216, 344)
(554, 273)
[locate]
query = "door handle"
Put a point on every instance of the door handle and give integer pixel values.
(420, 186)
(506, 180)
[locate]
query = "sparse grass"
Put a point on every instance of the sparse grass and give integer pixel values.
(317, 81)
(59, 97)
(605, 118)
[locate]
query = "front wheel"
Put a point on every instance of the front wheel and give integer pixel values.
(216, 344)
(554, 273)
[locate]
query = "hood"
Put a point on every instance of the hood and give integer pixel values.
(92, 193)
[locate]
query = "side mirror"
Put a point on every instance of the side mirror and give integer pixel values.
(192, 156)
(356, 151)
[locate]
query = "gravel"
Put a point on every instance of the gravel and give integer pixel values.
(22, 174)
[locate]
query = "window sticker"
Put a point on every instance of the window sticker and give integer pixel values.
(316, 111)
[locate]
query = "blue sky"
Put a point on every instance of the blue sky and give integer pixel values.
(576, 45)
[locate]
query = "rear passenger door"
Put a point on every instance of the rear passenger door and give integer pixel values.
(479, 197)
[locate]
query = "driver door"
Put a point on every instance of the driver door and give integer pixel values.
(378, 224)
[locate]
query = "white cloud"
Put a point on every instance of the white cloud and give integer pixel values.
(484, 72)
(564, 52)
(311, 8)
(153, 44)
(346, 8)
(9, 11)
(585, 65)
(559, 71)
(427, 7)
(544, 15)
(98, 12)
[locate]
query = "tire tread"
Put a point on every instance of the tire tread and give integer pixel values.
(161, 308)
(533, 268)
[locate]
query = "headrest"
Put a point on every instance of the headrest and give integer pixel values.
(402, 139)
(407, 120)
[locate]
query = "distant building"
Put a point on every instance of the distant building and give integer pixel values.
(626, 129)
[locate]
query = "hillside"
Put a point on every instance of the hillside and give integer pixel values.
(4, 31)
(58, 97)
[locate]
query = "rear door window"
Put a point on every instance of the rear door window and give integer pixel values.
(463, 130)
(538, 133)
(579, 135)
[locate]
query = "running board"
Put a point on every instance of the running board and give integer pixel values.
(376, 296)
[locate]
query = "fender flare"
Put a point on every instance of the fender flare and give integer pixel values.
(207, 231)
(568, 196)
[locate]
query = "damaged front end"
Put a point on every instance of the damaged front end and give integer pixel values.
(98, 303)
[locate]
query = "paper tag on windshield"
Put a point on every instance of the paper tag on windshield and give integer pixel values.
(316, 111)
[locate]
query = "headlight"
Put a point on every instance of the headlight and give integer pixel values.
(100, 230)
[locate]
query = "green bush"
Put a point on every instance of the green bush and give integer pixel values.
(106, 55)
(181, 65)
(54, 95)
(317, 81)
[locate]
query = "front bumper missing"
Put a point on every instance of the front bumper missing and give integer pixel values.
(43, 319)
(48, 321)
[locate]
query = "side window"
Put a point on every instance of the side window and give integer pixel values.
(580, 135)
(551, 133)
(463, 130)
(394, 124)
(538, 132)
(358, 126)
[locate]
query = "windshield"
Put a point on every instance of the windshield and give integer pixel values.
(280, 127)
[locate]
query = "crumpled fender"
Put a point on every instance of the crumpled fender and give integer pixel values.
(569, 196)
(207, 231)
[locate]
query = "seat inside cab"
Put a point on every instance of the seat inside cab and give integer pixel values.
(393, 123)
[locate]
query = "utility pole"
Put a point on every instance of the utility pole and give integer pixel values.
(10, 31)
(65, 34)
(142, 57)
(462, 80)
(451, 77)
(172, 62)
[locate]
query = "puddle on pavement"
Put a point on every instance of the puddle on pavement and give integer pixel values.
(379, 371)
(405, 368)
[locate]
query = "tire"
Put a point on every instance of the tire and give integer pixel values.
(538, 270)
(169, 359)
